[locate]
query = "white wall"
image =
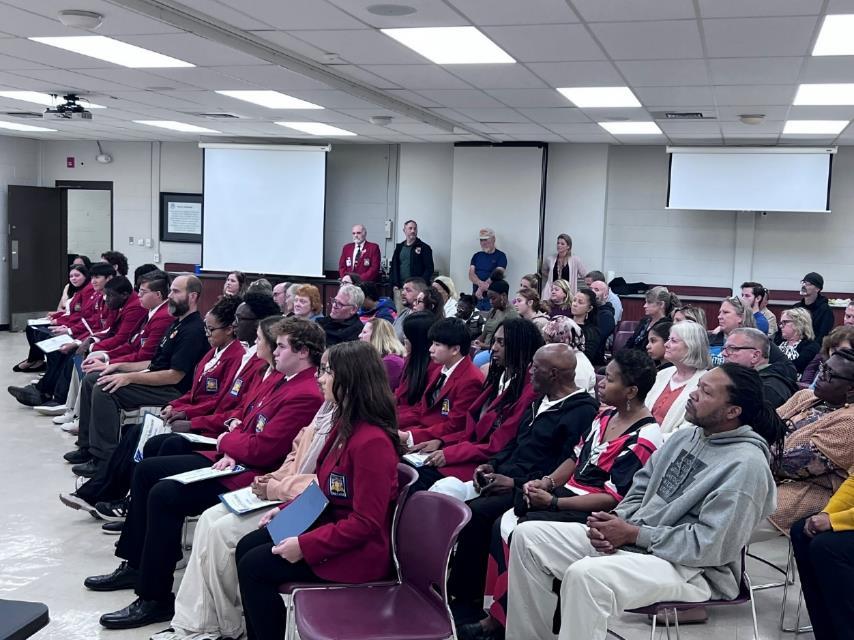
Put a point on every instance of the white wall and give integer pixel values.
(19, 164)
(89, 214)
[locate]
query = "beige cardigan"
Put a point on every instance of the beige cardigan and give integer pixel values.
(675, 418)
(285, 483)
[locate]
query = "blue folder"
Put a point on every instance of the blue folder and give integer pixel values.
(298, 515)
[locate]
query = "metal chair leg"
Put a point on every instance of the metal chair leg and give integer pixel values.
(667, 622)
(676, 622)
(753, 605)
(652, 633)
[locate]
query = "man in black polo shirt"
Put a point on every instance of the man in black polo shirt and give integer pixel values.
(130, 385)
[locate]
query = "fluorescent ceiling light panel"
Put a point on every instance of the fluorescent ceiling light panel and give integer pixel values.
(802, 127)
(835, 39)
(43, 98)
(270, 99)
(630, 128)
(115, 51)
(14, 126)
(176, 126)
(451, 45)
(598, 97)
(316, 128)
(826, 95)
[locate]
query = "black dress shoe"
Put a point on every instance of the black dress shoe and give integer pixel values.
(78, 456)
(85, 470)
(112, 528)
(475, 631)
(28, 396)
(122, 578)
(139, 613)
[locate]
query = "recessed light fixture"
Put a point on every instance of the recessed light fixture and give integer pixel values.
(596, 97)
(115, 51)
(806, 127)
(391, 10)
(14, 126)
(176, 126)
(270, 99)
(43, 98)
(630, 128)
(834, 39)
(827, 95)
(451, 45)
(316, 128)
(80, 19)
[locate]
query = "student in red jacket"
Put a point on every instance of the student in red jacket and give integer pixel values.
(417, 369)
(493, 418)
(258, 440)
(357, 470)
(450, 390)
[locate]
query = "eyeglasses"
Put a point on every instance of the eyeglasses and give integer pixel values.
(323, 370)
(210, 330)
(787, 322)
(141, 292)
(338, 305)
(730, 348)
(826, 373)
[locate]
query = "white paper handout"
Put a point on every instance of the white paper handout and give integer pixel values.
(197, 475)
(53, 344)
(416, 459)
(198, 439)
(152, 426)
(244, 501)
(38, 322)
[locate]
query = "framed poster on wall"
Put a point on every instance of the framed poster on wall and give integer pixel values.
(180, 217)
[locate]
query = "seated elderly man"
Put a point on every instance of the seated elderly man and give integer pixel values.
(751, 348)
(343, 323)
(678, 533)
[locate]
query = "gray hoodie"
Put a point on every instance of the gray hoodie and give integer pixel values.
(698, 499)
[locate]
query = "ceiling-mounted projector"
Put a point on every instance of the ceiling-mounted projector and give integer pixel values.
(71, 109)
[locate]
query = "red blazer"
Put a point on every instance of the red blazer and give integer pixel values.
(409, 415)
(209, 387)
(268, 425)
(368, 267)
(144, 343)
(352, 542)
(125, 324)
(447, 415)
(106, 316)
(246, 381)
(485, 435)
(84, 304)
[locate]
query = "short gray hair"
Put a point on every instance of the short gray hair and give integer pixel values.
(354, 294)
(756, 338)
(696, 338)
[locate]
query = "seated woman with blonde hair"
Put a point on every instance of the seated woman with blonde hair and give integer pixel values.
(380, 335)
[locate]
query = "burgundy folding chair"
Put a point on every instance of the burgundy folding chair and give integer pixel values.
(628, 325)
(745, 594)
(415, 609)
(811, 370)
(621, 338)
(406, 477)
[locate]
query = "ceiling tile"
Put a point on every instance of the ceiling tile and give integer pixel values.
(292, 43)
(674, 39)
(200, 51)
(363, 76)
(740, 129)
(510, 12)
(755, 70)
(221, 11)
(299, 14)
(769, 111)
(562, 115)
(51, 56)
(469, 98)
(364, 46)
(590, 128)
(759, 37)
(546, 43)
(690, 127)
(827, 69)
(497, 76)
(677, 96)
(135, 78)
(117, 21)
(661, 73)
(418, 76)
(494, 115)
(270, 77)
(622, 10)
(591, 138)
(332, 99)
(522, 128)
(577, 74)
(528, 97)
(821, 113)
(429, 13)
(617, 114)
(211, 78)
(61, 81)
(733, 95)
(758, 8)
(412, 97)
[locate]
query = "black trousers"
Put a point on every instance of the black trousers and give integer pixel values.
(36, 334)
(826, 568)
(260, 573)
(427, 477)
(468, 566)
(151, 536)
(57, 367)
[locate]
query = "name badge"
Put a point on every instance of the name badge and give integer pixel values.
(367, 262)
(173, 334)
(259, 424)
(446, 407)
(349, 262)
(337, 485)
(235, 388)
(142, 341)
(211, 385)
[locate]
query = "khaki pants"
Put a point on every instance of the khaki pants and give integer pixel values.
(594, 587)
(209, 598)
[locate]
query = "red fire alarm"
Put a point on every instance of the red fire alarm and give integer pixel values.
(69, 162)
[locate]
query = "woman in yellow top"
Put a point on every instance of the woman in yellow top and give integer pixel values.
(824, 550)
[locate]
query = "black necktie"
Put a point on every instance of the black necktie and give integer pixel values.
(358, 253)
(437, 388)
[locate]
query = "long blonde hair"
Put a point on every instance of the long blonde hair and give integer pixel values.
(383, 338)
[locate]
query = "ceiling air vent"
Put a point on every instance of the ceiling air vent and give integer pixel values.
(682, 115)
(217, 116)
(23, 114)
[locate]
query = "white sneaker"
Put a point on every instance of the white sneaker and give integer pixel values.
(72, 427)
(172, 634)
(66, 417)
(51, 409)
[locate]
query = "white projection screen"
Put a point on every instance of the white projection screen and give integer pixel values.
(264, 209)
(750, 179)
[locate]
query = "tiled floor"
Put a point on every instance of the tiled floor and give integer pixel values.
(47, 549)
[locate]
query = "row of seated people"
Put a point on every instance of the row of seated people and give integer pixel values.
(439, 399)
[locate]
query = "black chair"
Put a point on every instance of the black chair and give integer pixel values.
(20, 620)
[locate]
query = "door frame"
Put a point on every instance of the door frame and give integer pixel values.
(92, 185)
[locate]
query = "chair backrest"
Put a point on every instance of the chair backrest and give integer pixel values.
(811, 370)
(427, 533)
(628, 325)
(620, 340)
(406, 477)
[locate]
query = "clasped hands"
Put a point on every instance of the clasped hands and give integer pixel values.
(608, 532)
